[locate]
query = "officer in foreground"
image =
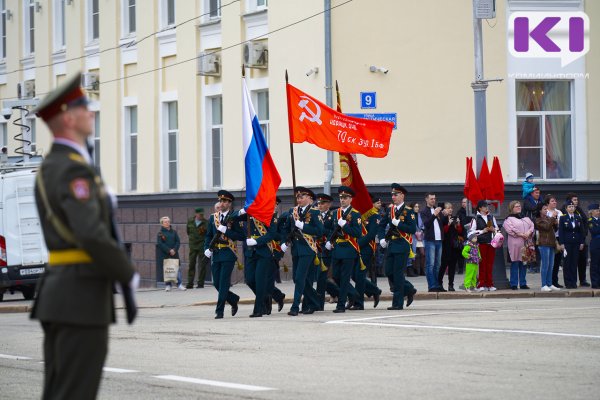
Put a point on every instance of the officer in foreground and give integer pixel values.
(75, 296)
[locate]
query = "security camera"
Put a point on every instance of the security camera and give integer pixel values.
(384, 70)
(7, 112)
(373, 68)
(311, 71)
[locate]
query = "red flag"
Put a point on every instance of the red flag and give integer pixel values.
(497, 181)
(471, 190)
(312, 121)
(485, 181)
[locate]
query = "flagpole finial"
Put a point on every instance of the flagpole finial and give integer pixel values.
(243, 71)
(286, 76)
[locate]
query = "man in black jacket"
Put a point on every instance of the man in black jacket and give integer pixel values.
(434, 218)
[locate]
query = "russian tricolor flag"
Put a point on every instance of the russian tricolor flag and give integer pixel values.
(262, 177)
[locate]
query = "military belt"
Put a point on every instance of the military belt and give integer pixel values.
(341, 240)
(68, 256)
(221, 246)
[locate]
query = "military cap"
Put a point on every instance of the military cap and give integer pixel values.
(593, 206)
(398, 188)
(482, 203)
(67, 95)
(303, 190)
(346, 191)
(569, 203)
(199, 209)
(374, 198)
(225, 195)
(277, 200)
(323, 198)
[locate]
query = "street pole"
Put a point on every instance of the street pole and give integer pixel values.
(479, 88)
(328, 91)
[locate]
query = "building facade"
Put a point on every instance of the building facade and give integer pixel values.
(165, 80)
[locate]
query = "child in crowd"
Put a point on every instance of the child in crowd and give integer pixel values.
(528, 184)
(471, 253)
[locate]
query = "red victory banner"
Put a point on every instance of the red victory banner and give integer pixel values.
(312, 121)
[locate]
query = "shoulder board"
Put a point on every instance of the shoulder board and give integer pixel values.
(315, 209)
(77, 157)
(355, 211)
(408, 208)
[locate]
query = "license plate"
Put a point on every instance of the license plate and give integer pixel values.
(32, 271)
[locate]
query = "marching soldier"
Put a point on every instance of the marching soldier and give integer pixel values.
(303, 227)
(219, 246)
(344, 242)
(75, 302)
(324, 284)
(370, 227)
(594, 229)
(400, 224)
(259, 256)
(196, 230)
(273, 292)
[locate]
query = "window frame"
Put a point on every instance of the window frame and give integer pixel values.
(208, 14)
(164, 14)
(28, 28)
(542, 115)
(59, 39)
(126, 9)
(211, 129)
(3, 134)
(3, 19)
(131, 168)
(167, 132)
(264, 123)
(90, 22)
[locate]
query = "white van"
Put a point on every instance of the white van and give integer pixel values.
(23, 252)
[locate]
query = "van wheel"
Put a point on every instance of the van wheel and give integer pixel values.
(28, 292)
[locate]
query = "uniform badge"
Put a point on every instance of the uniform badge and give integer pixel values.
(359, 221)
(80, 188)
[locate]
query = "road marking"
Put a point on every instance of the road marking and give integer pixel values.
(228, 385)
(487, 330)
(8, 356)
(119, 370)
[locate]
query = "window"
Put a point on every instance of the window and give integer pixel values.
(93, 20)
(131, 133)
(2, 29)
(96, 154)
(262, 111)
(168, 13)
(544, 144)
(128, 17)
(216, 138)
(172, 132)
(59, 25)
(32, 135)
(3, 134)
(256, 5)
(214, 9)
(29, 27)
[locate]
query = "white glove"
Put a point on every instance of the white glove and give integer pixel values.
(328, 246)
(222, 228)
(283, 247)
(299, 224)
(395, 221)
(134, 283)
(342, 222)
(251, 242)
(208, 253)
(242, 212)
(383, 243)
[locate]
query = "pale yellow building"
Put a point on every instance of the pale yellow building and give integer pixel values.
(165, 79)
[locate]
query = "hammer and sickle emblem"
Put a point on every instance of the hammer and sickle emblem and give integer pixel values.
(309, 114)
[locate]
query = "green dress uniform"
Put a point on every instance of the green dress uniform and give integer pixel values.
(223, 258)
(74, 301)
(399, 244)
(196, 230)
(367, 253)
(344, 256)
(259, 260)
(323, 284)
(304, 252)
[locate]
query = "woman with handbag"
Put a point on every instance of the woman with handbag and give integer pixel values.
(167, 254)
(546, 226)
(418, 245)
(520, 245)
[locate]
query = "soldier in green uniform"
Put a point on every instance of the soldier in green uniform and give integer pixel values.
(302, 229)
(395, 232)
(74, 301)
(273, 292)
(225, 231)
(370, 227)
(196, 230)
(324, 284)
(345, 251)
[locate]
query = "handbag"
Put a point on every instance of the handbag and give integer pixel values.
(497, 240)
(170, 269)
(528, 252)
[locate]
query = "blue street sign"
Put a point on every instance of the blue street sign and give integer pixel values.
(390, 117)
(368, 100)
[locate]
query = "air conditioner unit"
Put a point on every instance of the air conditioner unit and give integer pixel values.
(26, 89)
(209, 63)
(256, 54)
(90, 80)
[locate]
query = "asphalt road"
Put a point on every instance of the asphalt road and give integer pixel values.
(534, 348)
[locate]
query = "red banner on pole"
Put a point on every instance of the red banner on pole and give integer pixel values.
(312, 121)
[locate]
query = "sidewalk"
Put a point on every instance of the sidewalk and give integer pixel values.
(207, 296)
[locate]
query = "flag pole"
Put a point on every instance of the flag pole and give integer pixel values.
(248, 234)
(287, 90)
